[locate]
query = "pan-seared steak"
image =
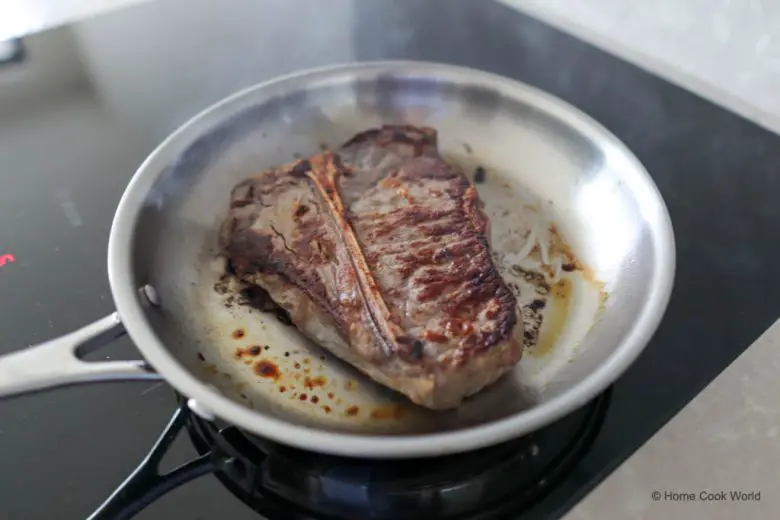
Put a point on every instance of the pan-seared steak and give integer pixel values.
(379, 253)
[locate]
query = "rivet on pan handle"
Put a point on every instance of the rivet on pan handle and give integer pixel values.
(200, 410)
(60, 362)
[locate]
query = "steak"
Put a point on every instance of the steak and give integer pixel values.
(379, 253)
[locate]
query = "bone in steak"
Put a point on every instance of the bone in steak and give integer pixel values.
(379, 253)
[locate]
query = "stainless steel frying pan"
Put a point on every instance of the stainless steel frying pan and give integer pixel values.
(545, 164)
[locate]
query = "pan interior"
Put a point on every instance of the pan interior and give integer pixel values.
(542, 167)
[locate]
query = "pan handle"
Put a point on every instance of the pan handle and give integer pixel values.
(60, 362)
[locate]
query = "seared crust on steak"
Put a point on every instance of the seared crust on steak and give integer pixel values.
(380, 254)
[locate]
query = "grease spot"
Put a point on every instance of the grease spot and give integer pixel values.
(265, 368)
(390, 411)
(556, 319)
(70, 209)
(313, 382)
(479, 175)
(250, 351)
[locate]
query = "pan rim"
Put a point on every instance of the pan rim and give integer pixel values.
(124, 285)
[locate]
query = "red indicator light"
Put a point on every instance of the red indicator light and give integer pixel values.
(6, 259)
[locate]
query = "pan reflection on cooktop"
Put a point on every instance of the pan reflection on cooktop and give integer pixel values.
(507, 479)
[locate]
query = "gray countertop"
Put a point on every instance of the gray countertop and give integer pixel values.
(718, 459)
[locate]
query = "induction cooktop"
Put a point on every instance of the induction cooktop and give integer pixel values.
(87, 102)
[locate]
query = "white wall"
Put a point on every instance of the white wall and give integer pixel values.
(727, 51)
(21, 17)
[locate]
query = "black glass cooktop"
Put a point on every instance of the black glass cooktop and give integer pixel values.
(87, 102)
